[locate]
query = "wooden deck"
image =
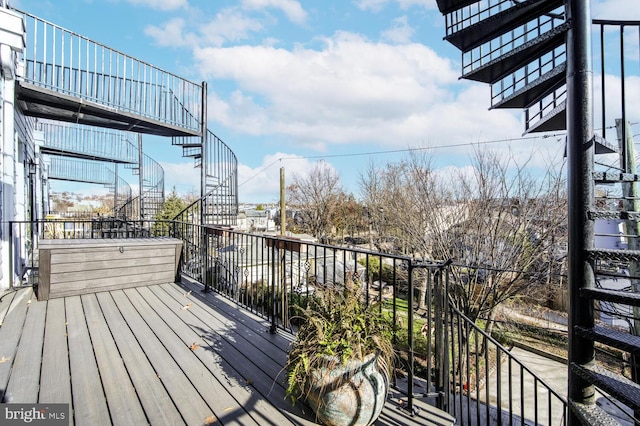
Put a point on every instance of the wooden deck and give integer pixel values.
(161, 354)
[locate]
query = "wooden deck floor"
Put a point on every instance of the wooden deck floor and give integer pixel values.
(163, 354)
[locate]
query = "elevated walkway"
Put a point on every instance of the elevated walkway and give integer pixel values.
(107, 146)
(95, 172)
(67, 77)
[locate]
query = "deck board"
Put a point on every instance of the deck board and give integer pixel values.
(122, 399)
(192, 407)
(10, 334)
(23, 384)
(183, 352)
(239, 392)
(155, 400)
(89, 403)
(125, 357)
(55, 382)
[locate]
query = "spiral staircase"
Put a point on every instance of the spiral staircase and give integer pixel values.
(110, 148)
(536, 56)
(67, 78)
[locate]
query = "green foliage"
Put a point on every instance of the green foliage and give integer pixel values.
(173, 205)
(336, 323)
(378, 272)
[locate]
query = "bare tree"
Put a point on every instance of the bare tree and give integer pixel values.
(498, 223)
(319, 196)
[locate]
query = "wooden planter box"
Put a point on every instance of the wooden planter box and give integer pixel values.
(80, 266)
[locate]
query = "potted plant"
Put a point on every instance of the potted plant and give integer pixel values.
(341, 358)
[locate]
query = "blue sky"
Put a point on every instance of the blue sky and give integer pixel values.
(292, 82)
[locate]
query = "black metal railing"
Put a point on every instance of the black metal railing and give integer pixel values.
(443, 357)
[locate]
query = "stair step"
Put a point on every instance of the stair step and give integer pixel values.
(446, 6)
(614, 384)
(615, 255)
(554, 120)
(612, 215)
(512, 60)
(615, 177)
(529, 94)
(614, 338)
(478, 33)
(592, 414)
(614, 296)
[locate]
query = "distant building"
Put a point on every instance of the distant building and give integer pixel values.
(255, 220)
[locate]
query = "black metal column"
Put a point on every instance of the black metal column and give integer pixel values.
(580, 193)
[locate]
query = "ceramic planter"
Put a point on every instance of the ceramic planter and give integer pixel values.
(351, 394)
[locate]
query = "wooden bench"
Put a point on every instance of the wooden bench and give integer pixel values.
(80, 266)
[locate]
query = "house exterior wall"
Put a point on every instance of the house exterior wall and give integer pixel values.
(14, 141)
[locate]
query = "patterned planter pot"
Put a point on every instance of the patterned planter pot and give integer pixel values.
(351, 394)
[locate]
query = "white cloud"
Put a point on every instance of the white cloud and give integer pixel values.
(378, 5)
(400, 32)
(373, 5)
(229, 25)
(291, 8)
(614, 9)
(353, 90)
(172, 33)
(183, 176)
(161, 4)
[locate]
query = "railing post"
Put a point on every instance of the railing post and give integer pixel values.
(439, 346)
(274, 268)
(410, 355)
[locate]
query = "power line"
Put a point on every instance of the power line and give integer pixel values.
(395, 151)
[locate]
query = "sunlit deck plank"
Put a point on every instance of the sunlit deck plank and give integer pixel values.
(55, 380)
(190, 404)
(235, 376)
(122, 399)
(154, 398)
(212, 391)
(25, 375)
(10, 333)
(89, 403)
(235, 366)
(240, 392)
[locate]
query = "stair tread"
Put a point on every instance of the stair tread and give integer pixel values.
(609, 214)
(554, 120)
(617, 339)
(613, 254)
(614, 384)
(615, 177)
(500, 23)
(509, 62)
(446, 6)
(607, 295)
(532, 92)
(592, 414)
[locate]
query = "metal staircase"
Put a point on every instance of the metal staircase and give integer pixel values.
(536, 55)
(107, 146)
(89, 171)
(219, 203)
(66, 77)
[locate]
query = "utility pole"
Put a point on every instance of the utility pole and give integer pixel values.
(283, 207)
